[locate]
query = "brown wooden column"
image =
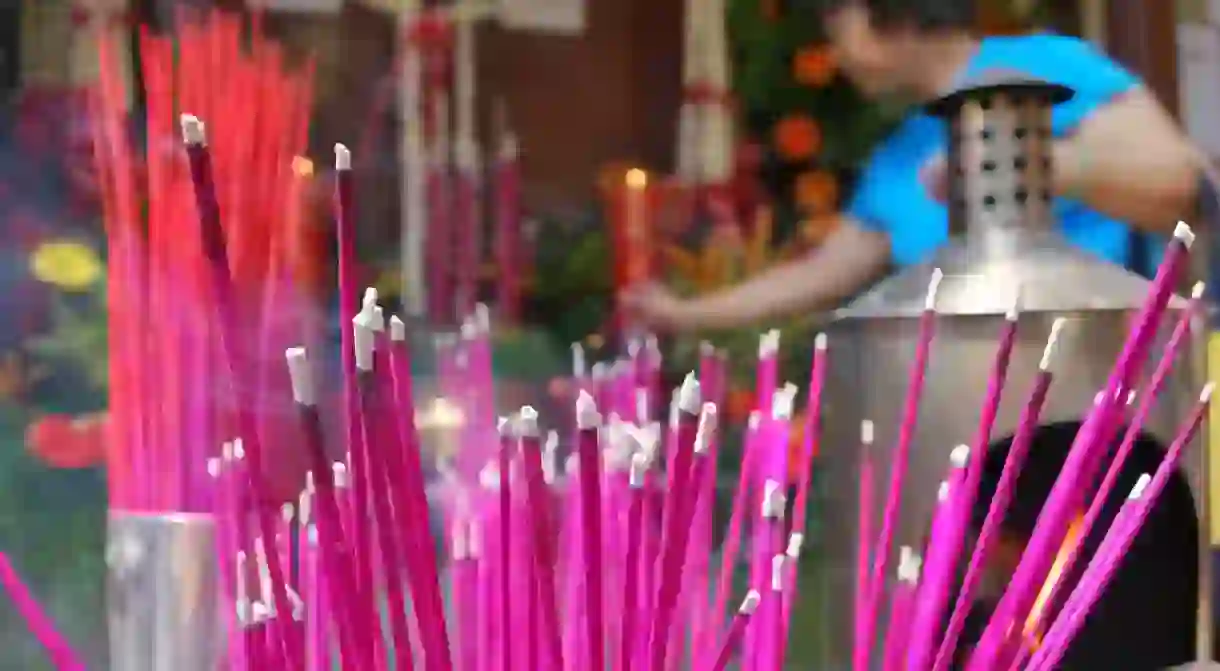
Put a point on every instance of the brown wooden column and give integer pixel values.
(1141, 34)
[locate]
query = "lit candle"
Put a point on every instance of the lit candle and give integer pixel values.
(635, 220)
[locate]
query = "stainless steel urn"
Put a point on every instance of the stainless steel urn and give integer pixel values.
(1003, 240)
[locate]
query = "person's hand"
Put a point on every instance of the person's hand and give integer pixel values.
(935, 178)
(654, 306)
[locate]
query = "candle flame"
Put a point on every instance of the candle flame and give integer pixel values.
(302, 166)
(637, 179)
(1033, 628)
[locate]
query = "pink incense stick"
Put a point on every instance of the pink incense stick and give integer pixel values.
(898, 471)
(737, 630)
(412, 502)
(508, 445)
(36, 620)
(702, 469)
(1108, 557)
(813, 427)
(631, 562)
(1143, 410)
(215, 251)
(588, 450)
(768, 370)
(865, 531)
(902, 605)
(544, 555)
(1013, 462)
(941, 561)
(317, 640)
(1066, 494)
(676, 521)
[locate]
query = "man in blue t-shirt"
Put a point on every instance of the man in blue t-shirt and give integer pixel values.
(1123, 169)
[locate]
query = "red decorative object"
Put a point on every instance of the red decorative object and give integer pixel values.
(62, 441)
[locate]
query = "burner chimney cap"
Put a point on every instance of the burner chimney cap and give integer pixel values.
(995, 82)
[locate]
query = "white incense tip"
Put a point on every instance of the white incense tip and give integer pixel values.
(1140, 485)
(343, 157)
(1196, 292)
(378, 320)
(651, 344)
(778, 562)
(504, 427)
(287, 512)
(707, 349)
(639, 469)
(587, 416)
(193, 132)
(750, 603)
(942, 492)
(795, 542)
(527, 422)
(482, 317)
(1182, 232)
(1014, 310)
(226, 451)
(773, 500)
(339, 471)
(933, 288)
(867, 434)
(578, 360)
(398, 329)
(214, 466)
(641, 404)
(908, 565)
(489, 477)
(959, 456)
(754, 420)
(309, 485)
(783, 402)
(301, 375)
(768, 344)
(821, 342)
(598, 371)
(239, 449)
(1205, 396)
(1048, 353)
(362, 327)
(369, 300)
(707, 428)
(690, 399)
(469, 330)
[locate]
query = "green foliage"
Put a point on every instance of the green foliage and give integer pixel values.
(573, 286)
(78, 340)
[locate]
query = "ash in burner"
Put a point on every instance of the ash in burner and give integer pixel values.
(1146, 618)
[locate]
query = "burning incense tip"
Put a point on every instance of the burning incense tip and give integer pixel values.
(707, 428)
(821, 342)
(527, 422)
(795, 542)
(193, 132)
(340, 474)
(639, 469)
(362, 326)
(777, 572)
(369, 300)
(959, 456)
(343, 157)
(933, 288)
(578, 360)
(587, 416)
(1182, 232)
(398, 329)
(1048, 353)
(1014, 310)
(1131, 397)
(239, 449)
(1206, 395)
(750, 603)
(783, 402)
(768, 344)
(773, 500)
(866, 432)
(1140, 485)
(1196, 292)
(301, 375)
(690, 399)
(908, 565)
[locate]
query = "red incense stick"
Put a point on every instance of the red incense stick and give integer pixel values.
(737, 630)
(588, 450)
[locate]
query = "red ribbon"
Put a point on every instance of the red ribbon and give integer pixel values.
(703, 93)
(430, 29)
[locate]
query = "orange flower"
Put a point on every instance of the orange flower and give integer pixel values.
(797, 138)
(814, 66)
(816, 192)
(796, 440)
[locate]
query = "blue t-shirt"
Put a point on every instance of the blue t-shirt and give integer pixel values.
(891, 197)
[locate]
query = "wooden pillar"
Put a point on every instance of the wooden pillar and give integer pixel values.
(1141, 34)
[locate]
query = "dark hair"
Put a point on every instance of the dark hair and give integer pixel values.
(924, 15)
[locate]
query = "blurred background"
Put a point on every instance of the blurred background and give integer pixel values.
(582, 97)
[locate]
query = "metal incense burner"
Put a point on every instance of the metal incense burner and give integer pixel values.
(1002, 242)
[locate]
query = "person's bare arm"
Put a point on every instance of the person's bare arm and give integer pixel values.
(849, 259)
(1131, 161)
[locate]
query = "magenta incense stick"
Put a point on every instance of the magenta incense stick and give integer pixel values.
(898, 471)
(737, 629)
(1067, 493)
(544, 555)
(62, 657)
(508, 445)
(811, 436)
(902, 604)
(214, 248)
(732, 540)
(864, 532)
(631, 563)
(996, 510)
(588, 450)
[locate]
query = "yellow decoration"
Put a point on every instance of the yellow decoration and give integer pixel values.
(71, 266)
